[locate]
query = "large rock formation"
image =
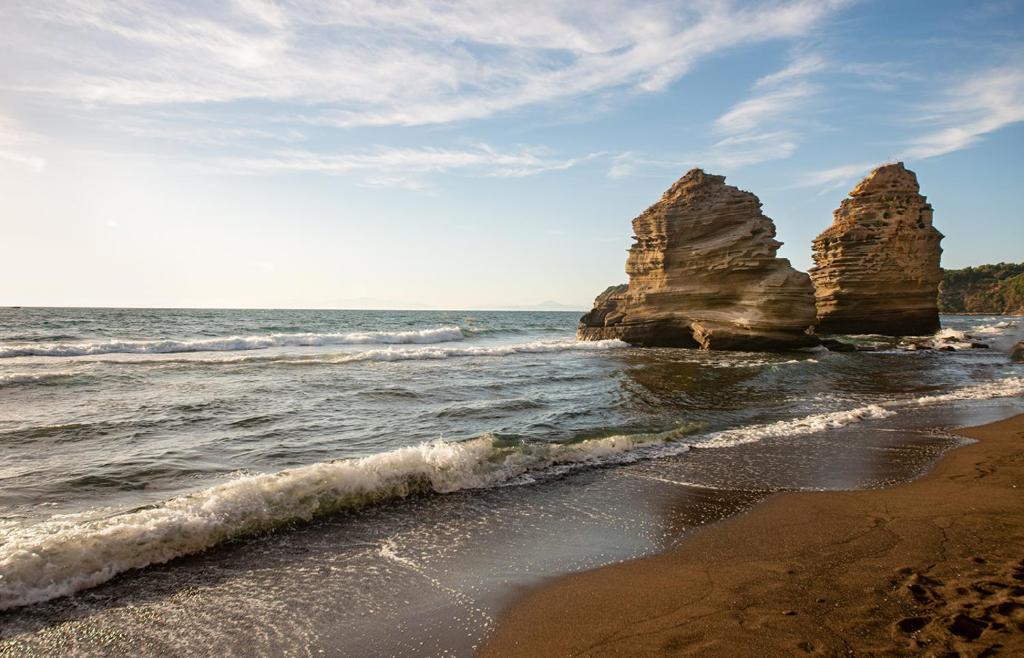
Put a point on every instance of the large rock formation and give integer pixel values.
(703, 273)
(877, 267)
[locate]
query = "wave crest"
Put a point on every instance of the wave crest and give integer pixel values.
(233, 343)
(22, 378)
(56, 558)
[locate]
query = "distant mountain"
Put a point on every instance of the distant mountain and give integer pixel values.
(546, 306)
(997, 289)
(557, 306)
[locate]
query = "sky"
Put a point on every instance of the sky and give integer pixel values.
(471, 155)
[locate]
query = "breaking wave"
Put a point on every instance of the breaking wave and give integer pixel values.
(795, 427)
(233, 343)
(994, 328)
(402, 353)
(423, 353)
(56, 558)
(21, 378)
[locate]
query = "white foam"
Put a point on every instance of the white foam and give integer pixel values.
(1007, 387)
(952, 335)
(424, 353)
(796, 426)
(996, 328)
(406, 353)
(232, 343)
(60, 557)
(16, 378)
(997, 333)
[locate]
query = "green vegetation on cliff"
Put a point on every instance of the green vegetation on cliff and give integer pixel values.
(983, 289)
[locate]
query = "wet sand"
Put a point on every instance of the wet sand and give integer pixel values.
(933, 567)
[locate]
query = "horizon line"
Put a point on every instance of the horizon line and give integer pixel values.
(506, 309)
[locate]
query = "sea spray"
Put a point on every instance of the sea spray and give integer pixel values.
(42, 377)
(796, 427)
(232, 343)
(56, 558)
(431, 353)
(1009, 387)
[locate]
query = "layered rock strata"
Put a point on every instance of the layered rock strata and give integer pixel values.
(877, 267)
(703, 273)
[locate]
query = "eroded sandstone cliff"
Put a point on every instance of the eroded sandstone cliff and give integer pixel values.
(703, 273)
(877, 267)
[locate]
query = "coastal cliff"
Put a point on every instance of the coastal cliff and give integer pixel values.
(996, 289)
(877, 267)
(703, 272)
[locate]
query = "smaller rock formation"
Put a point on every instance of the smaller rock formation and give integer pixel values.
(703, 273)
(877, 267)
(1017, 353)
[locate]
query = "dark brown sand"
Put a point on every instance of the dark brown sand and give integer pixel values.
(933, 567)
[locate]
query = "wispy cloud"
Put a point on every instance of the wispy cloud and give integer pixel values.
(752, 148)
(754, 112)
(371, 63)
(630, 163)
(981, 105)
(762, 127)
(404, 167)
(800, 67)
(754, 130)
(16, 145)
(836, 177)
(728, 153)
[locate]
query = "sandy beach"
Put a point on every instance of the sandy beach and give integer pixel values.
(933, 567)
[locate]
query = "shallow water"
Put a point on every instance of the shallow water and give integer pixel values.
(425, 464)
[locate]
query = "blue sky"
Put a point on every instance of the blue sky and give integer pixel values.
(470, 155)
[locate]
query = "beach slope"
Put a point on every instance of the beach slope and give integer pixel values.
(932, 567)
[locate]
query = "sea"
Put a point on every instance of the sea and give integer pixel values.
(363, 483)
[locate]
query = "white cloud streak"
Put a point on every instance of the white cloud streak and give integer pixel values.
(728, 153)
(370, 63)
(754, 112)
(836, 177)
(404, 167)
(16, 145)
(755, 130)
(799, 68)
(979, 106)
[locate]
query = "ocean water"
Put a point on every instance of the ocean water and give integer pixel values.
(253, 482)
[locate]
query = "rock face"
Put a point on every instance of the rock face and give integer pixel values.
(703, 273)
(877, 267)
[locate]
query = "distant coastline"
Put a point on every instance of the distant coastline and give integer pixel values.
(996, 289)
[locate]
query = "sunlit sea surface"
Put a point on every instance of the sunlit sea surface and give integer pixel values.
(252, 482)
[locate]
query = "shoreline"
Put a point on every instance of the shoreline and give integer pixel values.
(930, 566)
